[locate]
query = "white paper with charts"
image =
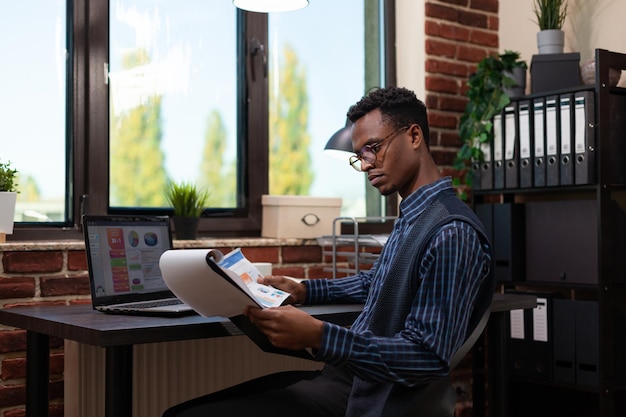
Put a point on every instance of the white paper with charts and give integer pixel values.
(214, 284)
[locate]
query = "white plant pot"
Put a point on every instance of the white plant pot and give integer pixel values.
(551, 41)
(7, 211)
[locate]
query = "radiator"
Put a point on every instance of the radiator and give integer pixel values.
(165, 374)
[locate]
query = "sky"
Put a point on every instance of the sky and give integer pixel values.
(187, 59)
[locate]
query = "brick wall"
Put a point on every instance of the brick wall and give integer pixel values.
(459, 33)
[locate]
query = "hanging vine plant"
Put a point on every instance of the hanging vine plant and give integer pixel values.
(487, 97)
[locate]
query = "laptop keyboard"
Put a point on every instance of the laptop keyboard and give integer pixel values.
(156, 303)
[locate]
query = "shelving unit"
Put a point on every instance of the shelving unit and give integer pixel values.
(355, 243)
(567, 243)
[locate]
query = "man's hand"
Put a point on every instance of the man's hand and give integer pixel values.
(290, 285)
(287, 326)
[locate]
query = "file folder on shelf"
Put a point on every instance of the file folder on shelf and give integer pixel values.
(584, 138)
(525, 148)
(566, 169)
(529, 343)
(552, 146)
(564, 341)
(498, 152)
(538, 139)
(486, 167)
(587, 339)
(511, 148)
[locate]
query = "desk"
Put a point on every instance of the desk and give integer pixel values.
(117, 334)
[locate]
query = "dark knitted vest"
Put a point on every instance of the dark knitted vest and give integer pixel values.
(396, 297)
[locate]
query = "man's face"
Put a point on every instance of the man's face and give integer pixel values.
(387, 154)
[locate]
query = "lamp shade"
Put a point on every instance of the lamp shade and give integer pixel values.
(267, 6)
(339, 145)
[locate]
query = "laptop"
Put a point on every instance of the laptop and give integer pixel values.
(123, 255)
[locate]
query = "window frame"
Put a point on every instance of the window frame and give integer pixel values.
(88, 125)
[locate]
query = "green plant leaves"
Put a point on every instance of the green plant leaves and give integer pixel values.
(186, 199)
(8, 176)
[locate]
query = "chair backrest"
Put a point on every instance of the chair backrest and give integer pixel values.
(438, 399)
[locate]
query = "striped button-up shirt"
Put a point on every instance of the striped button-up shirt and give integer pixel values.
(449, 272)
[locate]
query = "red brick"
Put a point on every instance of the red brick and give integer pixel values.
(12, 341)
(453, 103)
(432, 28)
(13, 368)
(444, 157)
(319, 272)
(76, 260)
(462, 3)
(471, 53)
(454, 32)
(57, 363)
(262, 254)
(302, 254)
(490, 39)
(17, 288)
(442, 84)
(74, 285)
(441, 119)
(472, 19)
(440, 49)
(441, 12)
(33, 261)
(446, 67)
(292, 271)
(11, 395)
(450, 139)
(486, 5)
(494, 23)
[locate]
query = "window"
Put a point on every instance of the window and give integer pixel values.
(33, 104)
(180, 91)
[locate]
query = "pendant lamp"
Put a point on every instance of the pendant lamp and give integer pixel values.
(267, 6)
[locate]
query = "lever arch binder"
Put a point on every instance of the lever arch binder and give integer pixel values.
(566, 169)
(498, 152)
(486, 167)
(538, 139)
(511, 148)
(552, 146)
(584, 138)
(564, 341)
(525, 148)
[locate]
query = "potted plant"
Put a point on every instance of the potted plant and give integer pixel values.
(8, 197)
(550, 16)
(487, 96)
(188, 203)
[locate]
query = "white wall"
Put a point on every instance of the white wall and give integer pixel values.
(410, 53)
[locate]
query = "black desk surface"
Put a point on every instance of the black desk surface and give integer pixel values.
(82, 324)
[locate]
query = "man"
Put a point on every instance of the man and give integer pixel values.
(418, 295)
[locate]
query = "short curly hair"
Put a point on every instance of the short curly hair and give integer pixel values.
(398, 106)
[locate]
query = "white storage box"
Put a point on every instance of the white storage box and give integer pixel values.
(298, 216)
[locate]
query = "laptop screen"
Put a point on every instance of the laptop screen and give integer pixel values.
(123, 254)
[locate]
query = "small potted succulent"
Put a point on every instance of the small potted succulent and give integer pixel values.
(188, 203)
(550, 16)
(8, 197)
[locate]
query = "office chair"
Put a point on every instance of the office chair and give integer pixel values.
(438, 399)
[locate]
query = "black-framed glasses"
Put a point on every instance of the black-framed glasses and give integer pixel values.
(368, 152)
